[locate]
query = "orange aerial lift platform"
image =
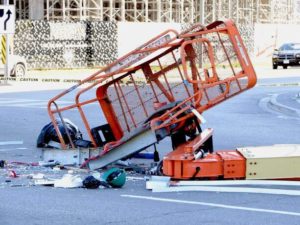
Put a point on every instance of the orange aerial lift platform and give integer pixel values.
(160, 90)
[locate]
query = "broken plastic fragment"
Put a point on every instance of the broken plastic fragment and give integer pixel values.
(69, 181)
(12, 174)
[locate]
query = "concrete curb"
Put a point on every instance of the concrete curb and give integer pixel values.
(276, 106)
(279, 85)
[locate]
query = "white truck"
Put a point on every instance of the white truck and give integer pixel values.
(17, 66)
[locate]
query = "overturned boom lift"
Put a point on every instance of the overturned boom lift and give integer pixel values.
(160, 89)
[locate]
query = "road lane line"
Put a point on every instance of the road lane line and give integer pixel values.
(32, 103)
(228, 189)
(11, 143)
(8, 149)
(213, 205)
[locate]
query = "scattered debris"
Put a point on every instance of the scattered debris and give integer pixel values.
(157, 182)
(44, 182)
(229, 189)
(2, 163)
(12, 174)
(37, 176)
(56, 168)
(24, 163)
(69, 181)
(97, 175)
(165, 184)
(144, 155)
(75, 169)
(50, 163)
(115, 177)
(92, 183)
(48, 137)
(123, 162)
(53, 174)
(131, 178)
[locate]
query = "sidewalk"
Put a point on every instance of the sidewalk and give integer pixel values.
(37, 80)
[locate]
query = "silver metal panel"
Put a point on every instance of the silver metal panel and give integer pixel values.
(136, 144)
(68, 157)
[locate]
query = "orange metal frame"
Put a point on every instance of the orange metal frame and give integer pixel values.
(182, 164)
(197, 56)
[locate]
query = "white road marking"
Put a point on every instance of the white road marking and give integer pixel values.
(17, 99)
(11, 143)
(28, 103)
(7, 149)
(213, 205)
(31, 103)
(229, 190)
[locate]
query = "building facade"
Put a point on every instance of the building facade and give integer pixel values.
(178, 11)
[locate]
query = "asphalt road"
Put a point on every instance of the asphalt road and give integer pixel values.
(240, 121)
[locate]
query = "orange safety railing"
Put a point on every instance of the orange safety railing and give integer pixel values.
(200, 68)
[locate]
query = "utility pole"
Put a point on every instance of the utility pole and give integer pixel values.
(6, 72)
(202, 16)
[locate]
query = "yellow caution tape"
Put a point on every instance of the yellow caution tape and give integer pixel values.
(43, 80)
(3, 49)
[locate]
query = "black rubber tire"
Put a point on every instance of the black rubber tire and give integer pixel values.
(275, 67)
(159, 169)
(285, 67)
(20, 70)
